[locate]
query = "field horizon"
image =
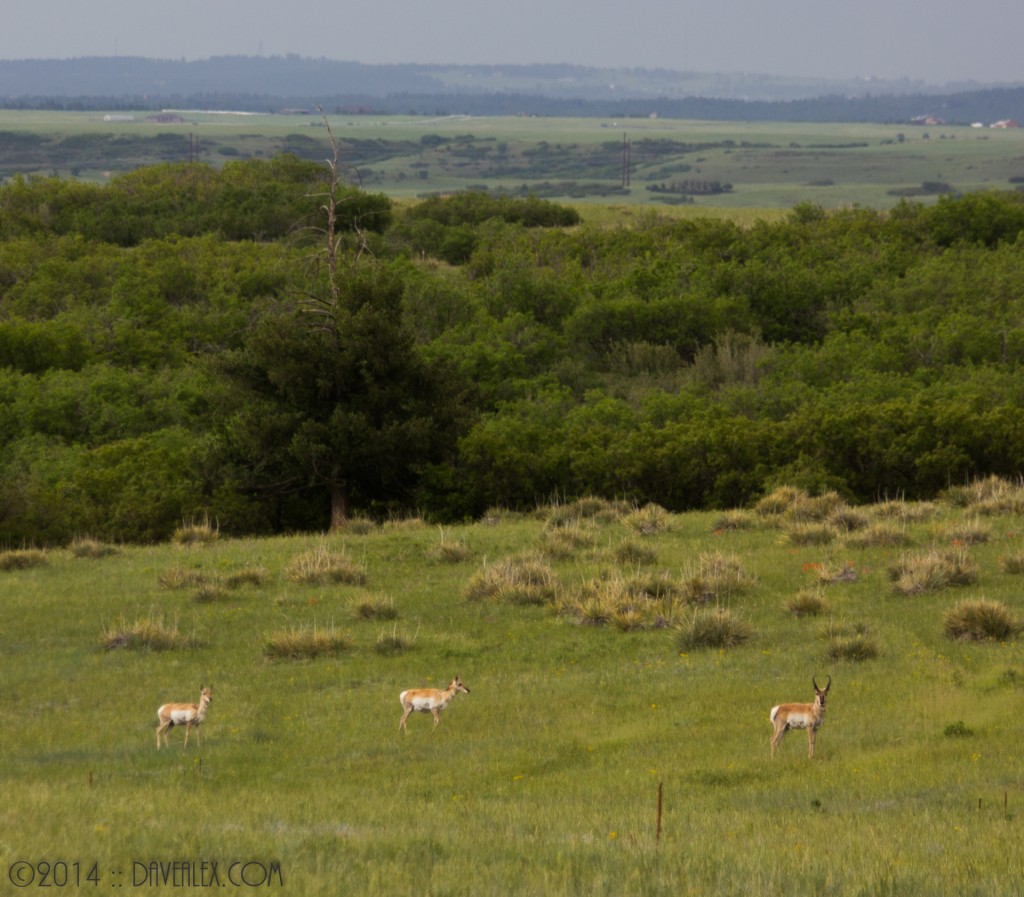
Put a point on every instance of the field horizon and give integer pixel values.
(673, 166)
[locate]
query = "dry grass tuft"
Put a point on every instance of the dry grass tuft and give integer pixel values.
(990, 496)
(390, 643)
(804, 534)
(1013, 564)
(562, 542)
(178, 578)
(450, 551)
(86, 547)
(885, 534)
(523, 579)
(196, 532)
(648, 520)
(22, 559)
(717, 577)
(715, 627)
(321, 565)
(807, 603)
(969, 531)
(932, 571)
(251, 576)
(151, 634)
(305, 643)
(981, 620)
(375, 607)
(850, 641)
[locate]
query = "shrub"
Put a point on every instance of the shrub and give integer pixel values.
(305, 642)
(958, 730)
(713, 628)
(979, 620)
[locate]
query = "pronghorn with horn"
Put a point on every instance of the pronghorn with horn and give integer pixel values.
(190, 716)
(429, 699)
(800, 716)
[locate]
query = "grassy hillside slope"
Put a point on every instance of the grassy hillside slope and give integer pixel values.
(544, 779)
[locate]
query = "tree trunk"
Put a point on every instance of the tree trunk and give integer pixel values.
(339, 505)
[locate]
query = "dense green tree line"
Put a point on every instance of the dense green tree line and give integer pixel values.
(276, 351)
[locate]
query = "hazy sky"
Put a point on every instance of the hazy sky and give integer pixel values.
(938, 41)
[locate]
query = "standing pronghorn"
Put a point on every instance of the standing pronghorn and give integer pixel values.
(432, 699)
(190, 716)
(800, 716)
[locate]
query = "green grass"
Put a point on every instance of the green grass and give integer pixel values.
(544, 779)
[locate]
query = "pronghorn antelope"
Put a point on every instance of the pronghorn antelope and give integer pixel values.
(800, 716)
(190, 716)
(432, 699)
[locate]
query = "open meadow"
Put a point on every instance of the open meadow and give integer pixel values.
(674, 165)
(609, 652)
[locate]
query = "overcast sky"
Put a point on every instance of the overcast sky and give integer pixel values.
(938, 41)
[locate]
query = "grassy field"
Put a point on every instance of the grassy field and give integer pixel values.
(544, 779)
(767, 165)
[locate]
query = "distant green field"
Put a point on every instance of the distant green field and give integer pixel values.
(544, 780)
(753, 165)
